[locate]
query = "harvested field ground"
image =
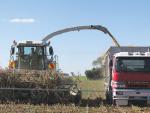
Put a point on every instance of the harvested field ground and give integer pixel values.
(91, 102)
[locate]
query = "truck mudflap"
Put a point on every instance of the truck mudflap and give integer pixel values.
(121, 96)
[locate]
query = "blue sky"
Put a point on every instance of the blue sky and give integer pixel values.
(127, 20)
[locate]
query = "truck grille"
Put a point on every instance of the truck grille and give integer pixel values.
(137, 85)
(137, 82)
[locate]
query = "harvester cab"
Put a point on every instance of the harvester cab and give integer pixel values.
(32, 56)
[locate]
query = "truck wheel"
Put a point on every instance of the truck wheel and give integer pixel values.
(107, 96)
(114, 102)
(110, 99)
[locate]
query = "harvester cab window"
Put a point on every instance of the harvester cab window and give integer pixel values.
(33, 54)
(31, 58)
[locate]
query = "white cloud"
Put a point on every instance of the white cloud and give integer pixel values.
(22, 20)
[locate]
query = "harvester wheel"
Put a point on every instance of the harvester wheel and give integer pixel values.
(77, 99)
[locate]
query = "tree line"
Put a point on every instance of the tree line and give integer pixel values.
(97, 71)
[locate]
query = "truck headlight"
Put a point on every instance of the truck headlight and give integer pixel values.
(119, 86)
(119, 93)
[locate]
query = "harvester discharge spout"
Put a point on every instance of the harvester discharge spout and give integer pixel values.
(97, 27)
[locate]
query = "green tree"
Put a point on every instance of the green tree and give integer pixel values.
(98, 62)
(97, 71)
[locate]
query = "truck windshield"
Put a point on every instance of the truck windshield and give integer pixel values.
(31, 58)
(132, 64)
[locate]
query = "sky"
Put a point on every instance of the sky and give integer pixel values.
(127, 20)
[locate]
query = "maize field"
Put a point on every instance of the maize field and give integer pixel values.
(46, 80)
(90, 102)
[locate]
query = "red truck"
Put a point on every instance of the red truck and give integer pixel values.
(127, 74)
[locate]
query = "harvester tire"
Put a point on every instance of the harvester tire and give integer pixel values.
(77, 99)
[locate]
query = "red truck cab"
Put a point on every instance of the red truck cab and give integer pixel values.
(129, 78)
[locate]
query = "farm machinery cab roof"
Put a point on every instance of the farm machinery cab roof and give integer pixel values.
(32, 43)
(32, 55)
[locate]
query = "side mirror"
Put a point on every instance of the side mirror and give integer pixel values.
(110, 62)
(12, 50)
(51, 50)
